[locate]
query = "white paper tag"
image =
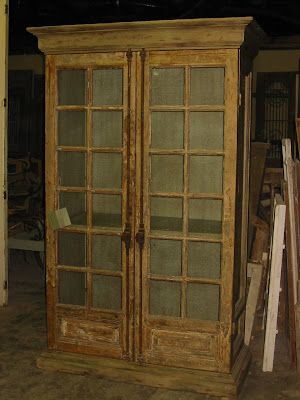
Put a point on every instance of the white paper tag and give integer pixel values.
(59, 218)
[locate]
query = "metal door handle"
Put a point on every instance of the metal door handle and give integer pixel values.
(126, 236)
(140, 236)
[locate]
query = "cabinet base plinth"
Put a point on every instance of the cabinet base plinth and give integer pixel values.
(205, 382)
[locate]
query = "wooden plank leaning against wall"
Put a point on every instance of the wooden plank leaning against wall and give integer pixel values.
(3, 157)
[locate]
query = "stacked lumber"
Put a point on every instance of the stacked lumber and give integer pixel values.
(273, 269)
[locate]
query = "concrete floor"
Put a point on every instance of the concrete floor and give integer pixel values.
(23, 337)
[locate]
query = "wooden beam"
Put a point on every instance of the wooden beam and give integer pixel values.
(3, 150)
(274, 285)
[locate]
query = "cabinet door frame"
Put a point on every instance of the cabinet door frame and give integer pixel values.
(117, 332)
(149, 326)
(3, 147)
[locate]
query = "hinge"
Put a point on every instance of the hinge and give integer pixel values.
(4, 102)
(4, 195)
(5, 285)
(129, 55)
(6, 9)
(143, 55)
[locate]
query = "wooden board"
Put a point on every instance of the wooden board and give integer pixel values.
(261, 239)
(24, 241)
(210, 383)
(297, 330)
(296, 185)
(3, 150)
(290, 284)
(289, 166)
(257, 168)
(297, 123)
(274, 285)
(255, 270)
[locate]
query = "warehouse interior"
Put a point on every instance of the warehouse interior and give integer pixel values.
(275, 109)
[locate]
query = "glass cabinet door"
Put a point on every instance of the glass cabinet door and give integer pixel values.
(185, 182)
(186, 190)
(91, 174)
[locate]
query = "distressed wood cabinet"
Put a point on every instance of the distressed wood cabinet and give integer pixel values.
(147, 146)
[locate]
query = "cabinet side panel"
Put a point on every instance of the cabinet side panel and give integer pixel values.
(242, 202)
(229, 234)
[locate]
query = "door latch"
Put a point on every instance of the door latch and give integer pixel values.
(126, 236)
(140, 236)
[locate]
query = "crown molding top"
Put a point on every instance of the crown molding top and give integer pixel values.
(120, 36)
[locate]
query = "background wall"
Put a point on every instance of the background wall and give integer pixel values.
(26, 95)
(272, 61)
(34, 63)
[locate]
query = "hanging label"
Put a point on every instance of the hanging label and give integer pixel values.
(59, 218)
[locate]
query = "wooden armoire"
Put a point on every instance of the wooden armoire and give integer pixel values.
(147, 147)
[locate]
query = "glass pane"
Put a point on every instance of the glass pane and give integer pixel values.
(167, 130)
(71, 169)
(107, 128)
(106, 252)
(166, 214)
(207, 86)
(165, 298)
(205, 216)
(107, 292)
(167, 86)
(206, 130)
(107, 211)
(71, 288)
(166, 173)
(107, 170)
(71, 87)
(75, 204)
(71, 249)
(108, 86)
(204, 259)
(71, 128)
(203, 301)
(165, 257)
(206, 174)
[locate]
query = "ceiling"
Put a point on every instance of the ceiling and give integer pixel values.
(277, 17)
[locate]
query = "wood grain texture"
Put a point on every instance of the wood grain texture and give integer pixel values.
(274, 285)
(256, 275)
(131, 332)
(229, 204)
(289, 176)
(50, 181)
(3, 160)
(210, 383)
(214, 33)
(291, 302)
